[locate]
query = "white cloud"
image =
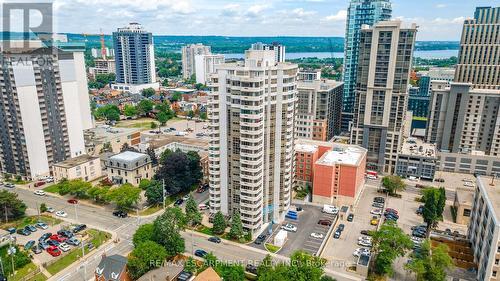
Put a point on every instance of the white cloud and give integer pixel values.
(299, 12)
(440, 6)
(339, 16)
(256, 9)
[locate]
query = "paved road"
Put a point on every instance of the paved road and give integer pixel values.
(101, 218)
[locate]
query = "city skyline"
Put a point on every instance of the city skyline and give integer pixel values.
(437, 20)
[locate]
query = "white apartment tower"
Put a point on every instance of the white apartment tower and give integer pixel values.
(189, 53)
(44, 108)
(251, 111)
(205, 65)
(279, 50)
(380, 116)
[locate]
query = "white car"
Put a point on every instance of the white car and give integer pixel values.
(289, 227)
(365, 243)
(360, 251)
(40, 192)
(186, 197)
(64, 247)
(317, 235)
(61, 214)
(371, 177)
(202, 207)
(50, 209)
(377, 212)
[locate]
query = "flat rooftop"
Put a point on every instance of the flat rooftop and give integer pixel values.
(163, 140)
(105, 133)
(128, 156)
(75, 161)
(492, 192)
(465, 196)
(416, 147)
(307, 148)
(343, 154)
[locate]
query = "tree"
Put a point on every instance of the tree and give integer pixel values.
(389, 242)
(326, 278)
(153, 125)
(125, 196)
(129, 110)
(145, 106)
(144, 184)
(148, 92)
(190, 114)
(154, 193)
(434, 202)
(302, 266)
(181, 171)
(109, 112)
(176, 97)
(228, 271)
(167, 229)
(10, 206)
(143, 233)
(193, 215)
(236, 231)
(190, 265)
(99, 193)
(203, 115)
(219, 224)
(393, 184)
(43, 208)
(127, 147)
(152, 154)
(162, 117)
(146, 256)
(431, 264)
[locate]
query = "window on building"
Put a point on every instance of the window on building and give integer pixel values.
(467, 212)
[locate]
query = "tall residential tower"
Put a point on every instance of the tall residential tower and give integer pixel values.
(134, 59)
(380, 115)
(360, 12)
(189, 53)
(251, 111)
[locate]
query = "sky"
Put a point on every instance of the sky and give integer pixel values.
(437, 19)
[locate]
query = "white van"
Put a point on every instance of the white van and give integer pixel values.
(329, 209)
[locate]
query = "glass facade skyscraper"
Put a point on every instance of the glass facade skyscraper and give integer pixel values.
(360, 12)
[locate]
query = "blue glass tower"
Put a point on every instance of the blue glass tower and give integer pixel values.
(360, 12)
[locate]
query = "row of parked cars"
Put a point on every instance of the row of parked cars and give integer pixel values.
(56, 243)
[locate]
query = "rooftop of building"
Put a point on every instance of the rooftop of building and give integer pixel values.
(158, 141)
(465, 196)
(344, 155)
(105, 133)
(321, 84)
(490, 188)
(170, 270)
(309, 146)
(128, 156)
(417, 147)
(75, 161)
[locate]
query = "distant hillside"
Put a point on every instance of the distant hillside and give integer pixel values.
(224, 44)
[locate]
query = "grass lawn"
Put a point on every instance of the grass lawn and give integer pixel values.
(52, 189)
(39, 277)
(271, 248)
(27, 269)
(208, 231)
(98, 238)
(20, 223)
(150, 210)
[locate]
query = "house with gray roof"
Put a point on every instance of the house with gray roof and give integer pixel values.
(129, 167)
(112, 268)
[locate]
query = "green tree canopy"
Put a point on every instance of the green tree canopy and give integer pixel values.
(145, 106)
(130, 110)
(193, 215)
(162, 117)
(125, 196)
(236, 231)
(431, 264)
(219, 224)
(10, 204)
(154, 193)
(109, 112)
(146, 256)
(434, 203)
(167, 229)
(181, 171)
(148, 92)
(143, 233)
(393, 184)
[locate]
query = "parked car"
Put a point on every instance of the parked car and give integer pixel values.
(39, 183)
(58, 238)
(337, 234)
(73, 201)
(365, 232)
(389, 214)
(50, 210)
(260, 239)
(390, 210)
(36, 250)
(79, 228)
(439, 180)
(350, 217)
(289, 227)
(374, 221)
(251, 268)
(61, 214)
(30, 228)
(23, 231)
(41, 225)
(120, 214)
(341, 227)
(11, 230)
(73, 241)
(214, 239)
(361, 251)
(379, 200)
(325, 222)
(53, 251)
(420, 210)
(178, 202)
(202, 207)
(200, 253)
(43, 245)
(53, 243)
(364, 243)
(378, 205)
(66, 233)
(186, 197)
(29, 244)
(64, 247)
(377, 212)
(317, 235)
(44, 236)
(39, 192)
(9, 185)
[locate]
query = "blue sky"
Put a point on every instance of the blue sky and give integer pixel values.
(438, 19)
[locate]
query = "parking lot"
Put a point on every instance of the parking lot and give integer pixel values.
(199, 129)
(306, 224)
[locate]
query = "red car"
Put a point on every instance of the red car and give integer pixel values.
(72, 201)
(390, 210)
(40, 183)
(53, 251)
(58, 238)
